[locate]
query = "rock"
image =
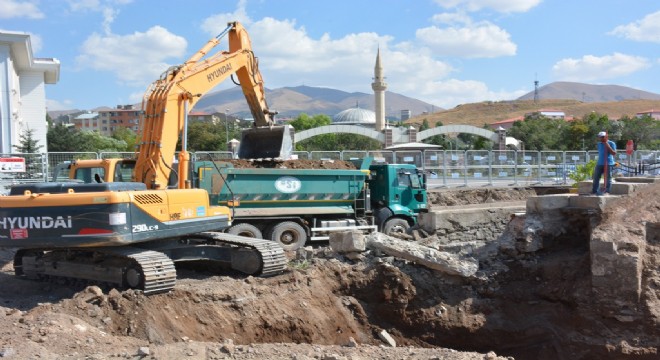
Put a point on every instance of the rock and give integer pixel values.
(305, 253)
(333, 357)
(355, 256)
(95, 290)
(144, 351)
(7, 352)
(387, 338)
(347, 241)
(351, 342)
(490, 356)
(228, 346)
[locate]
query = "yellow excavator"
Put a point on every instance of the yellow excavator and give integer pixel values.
(167, 102)
(130, 234)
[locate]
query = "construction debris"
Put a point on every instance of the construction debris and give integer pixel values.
(433, 259)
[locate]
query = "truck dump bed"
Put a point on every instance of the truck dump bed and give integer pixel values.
(285, 189)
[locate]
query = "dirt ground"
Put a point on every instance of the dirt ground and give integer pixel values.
(525, 306)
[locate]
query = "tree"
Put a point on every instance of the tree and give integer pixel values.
(539, 133)
(62, 138)
(644, 131)
(305, 122)
(27, 144)
(206, 136)
(575, 134)
(93, 141)
(126, 135)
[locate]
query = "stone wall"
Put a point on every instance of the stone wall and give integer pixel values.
(463, 229)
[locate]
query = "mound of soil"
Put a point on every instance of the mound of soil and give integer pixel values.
(456, 197)
(293, 164)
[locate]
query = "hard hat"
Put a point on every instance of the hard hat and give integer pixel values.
(602, 134)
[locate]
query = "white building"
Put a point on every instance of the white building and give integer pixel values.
(22, 90)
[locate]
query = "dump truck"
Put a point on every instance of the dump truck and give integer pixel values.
(294, 206)
(129, 233)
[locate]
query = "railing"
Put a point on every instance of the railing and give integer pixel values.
(444, 167)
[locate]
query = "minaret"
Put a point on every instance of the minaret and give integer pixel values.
(379, 86)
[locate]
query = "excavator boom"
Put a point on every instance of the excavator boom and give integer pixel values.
(168, 100)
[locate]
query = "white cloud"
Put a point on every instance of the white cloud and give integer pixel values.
(451, 18)
(215, 24)
(136, 59)
(84, 5)
(108, 8)
(95, 5)
(594, 68)
(54, 105)
(19, 9)
(347, 63)
(482, 40)
(645, 30)
(36, 42)
(452, 92)
(502, 6)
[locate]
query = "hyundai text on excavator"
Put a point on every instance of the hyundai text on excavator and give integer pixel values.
(129, 234)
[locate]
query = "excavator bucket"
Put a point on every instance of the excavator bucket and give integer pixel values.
(266, 142)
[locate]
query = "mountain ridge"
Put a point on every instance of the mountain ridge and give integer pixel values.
(291, 101)
(566, 96)
(564, 90)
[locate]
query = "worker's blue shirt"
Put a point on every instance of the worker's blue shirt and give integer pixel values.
(602, 153)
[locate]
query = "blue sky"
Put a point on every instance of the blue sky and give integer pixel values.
(445, 52)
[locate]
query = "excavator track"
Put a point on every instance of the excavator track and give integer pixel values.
(272, 257)
(128, 267)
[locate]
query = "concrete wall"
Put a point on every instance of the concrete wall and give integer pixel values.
(464, 229)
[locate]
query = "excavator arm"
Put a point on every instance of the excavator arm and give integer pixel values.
(168, 100)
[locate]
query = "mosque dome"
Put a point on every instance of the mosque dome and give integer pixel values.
(355, 116)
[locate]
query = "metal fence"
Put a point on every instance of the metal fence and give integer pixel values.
(444, 167)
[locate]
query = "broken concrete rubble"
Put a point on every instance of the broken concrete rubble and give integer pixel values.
(387, 338)
(347, 242)
(428, 257)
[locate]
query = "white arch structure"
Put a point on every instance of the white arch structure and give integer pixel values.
(440, 130)
(469, 129)
(333, 129)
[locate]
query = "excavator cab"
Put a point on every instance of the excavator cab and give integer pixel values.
(273, 142)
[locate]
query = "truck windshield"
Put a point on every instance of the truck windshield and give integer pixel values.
(409, 180)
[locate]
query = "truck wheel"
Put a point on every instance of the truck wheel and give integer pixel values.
(245, 229)
(396, 225)
(381, 215)
(290, 235)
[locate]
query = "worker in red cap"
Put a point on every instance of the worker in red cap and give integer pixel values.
(605, 163)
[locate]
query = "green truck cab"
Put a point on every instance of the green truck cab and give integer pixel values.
(398, 194)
